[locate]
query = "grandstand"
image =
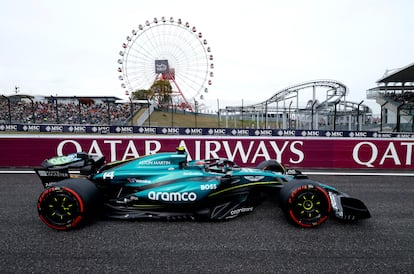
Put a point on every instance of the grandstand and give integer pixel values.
(28, 109)
(395, 94)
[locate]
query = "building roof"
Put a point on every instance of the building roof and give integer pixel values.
(401, 75)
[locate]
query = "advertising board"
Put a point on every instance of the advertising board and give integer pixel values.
(30, 150)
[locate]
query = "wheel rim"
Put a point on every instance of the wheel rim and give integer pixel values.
(60, 208)
(310, 206)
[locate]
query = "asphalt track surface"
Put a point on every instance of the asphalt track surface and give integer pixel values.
(260, 242)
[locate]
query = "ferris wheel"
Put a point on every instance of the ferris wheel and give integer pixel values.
(167, 50)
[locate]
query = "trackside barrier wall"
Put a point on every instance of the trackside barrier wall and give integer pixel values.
(297, 149)
(83, 129)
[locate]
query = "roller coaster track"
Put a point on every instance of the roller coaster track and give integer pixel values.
(335, 92)
(328, 99)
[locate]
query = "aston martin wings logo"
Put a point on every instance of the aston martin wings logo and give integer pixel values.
(253, 178)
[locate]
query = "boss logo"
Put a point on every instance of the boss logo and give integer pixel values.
(208, 187)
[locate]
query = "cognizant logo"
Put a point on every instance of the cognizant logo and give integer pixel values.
(172, 196)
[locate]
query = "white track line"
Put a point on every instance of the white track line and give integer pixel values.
(17, 172)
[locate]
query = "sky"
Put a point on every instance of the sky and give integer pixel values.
(260, 47)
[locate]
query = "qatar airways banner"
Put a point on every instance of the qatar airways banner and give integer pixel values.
(299, 152)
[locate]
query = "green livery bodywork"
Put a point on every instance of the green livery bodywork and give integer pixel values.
(168, 186)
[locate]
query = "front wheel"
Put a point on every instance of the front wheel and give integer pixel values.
(305, 203)
(67, 204)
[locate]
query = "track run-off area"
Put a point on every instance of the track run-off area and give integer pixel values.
(260, 242)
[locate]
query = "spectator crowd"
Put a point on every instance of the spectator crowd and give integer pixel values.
(25, 112)
(406, 97)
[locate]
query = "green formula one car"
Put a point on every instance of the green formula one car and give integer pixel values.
(168, 186)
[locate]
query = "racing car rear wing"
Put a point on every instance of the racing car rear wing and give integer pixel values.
(73, 165)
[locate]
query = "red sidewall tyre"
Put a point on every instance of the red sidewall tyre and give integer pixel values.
(68, 204)
(305, 203)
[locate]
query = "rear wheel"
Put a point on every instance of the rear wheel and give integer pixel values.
(305, 203)
(68, 203)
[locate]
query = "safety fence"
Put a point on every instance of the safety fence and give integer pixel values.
(190, 131)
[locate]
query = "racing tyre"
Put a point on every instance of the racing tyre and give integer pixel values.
(305, 203)
(68, 203)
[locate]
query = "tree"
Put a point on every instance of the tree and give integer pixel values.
(142, 94)
(163, 90)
